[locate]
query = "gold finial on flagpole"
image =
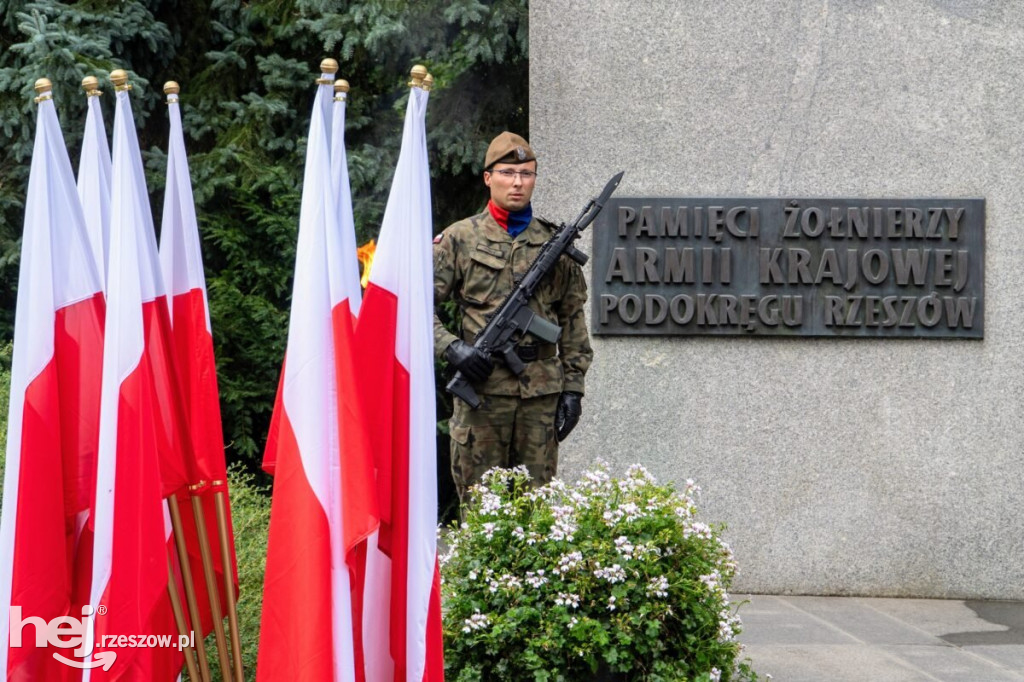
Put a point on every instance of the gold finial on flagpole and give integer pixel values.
(340, 90)
(428, 82)
(330, 66)
(91, 85)
(171, 89)
(44, 87)
(119, 77)
(418, 73)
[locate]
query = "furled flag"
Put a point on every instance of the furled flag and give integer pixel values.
(94, 177)
(143, 443)
(94, 194)
(394, 335)
(343, 194)
(323, 504)
(54, 408)
(181, 264)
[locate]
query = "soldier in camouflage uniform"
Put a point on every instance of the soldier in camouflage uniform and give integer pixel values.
(477, 262)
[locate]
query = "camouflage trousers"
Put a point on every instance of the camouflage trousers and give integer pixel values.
(505, 431)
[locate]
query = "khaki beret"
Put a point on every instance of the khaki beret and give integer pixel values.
(508, 148)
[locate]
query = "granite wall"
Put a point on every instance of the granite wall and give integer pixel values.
(857, 466)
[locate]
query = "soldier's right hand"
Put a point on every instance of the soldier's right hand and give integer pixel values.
(473, 364)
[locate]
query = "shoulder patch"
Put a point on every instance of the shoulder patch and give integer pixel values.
(438, 238)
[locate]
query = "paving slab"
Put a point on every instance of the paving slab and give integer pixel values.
(857, 617)
(830, 663)
(952, 664)
(857, 639)
(772, 620)
(936, 616)
(1009, 656)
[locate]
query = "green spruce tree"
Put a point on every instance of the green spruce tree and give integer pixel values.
(246, 72)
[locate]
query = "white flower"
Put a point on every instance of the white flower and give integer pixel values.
(511, 582)
(561, 512)
(639, 472)
(496, 477)
(658, 587)
(613, 574)
(489, 530)
(612, 516)
(472, 575)
(449, 555)
(632, 511)
(564, 527)
(568, 599)
(701, 530)
(685, 513)
(611, 603)
(716, 675)
(477, 621)
(624, 547)
(536, 579)
(572, 622)
(519, 533)
(579, 500)
(692, 489)
(490, 504)
(713, 581)
(568, 562)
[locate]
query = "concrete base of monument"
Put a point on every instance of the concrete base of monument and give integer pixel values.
(852, 639)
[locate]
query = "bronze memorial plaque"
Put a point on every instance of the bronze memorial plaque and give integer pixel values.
(790, 267)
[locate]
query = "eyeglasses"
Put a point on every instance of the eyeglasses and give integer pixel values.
(510, 174)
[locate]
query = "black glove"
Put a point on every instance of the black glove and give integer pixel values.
(473, 364)
(568, 414)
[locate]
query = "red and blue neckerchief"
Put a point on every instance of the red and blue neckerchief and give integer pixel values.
(512, 222)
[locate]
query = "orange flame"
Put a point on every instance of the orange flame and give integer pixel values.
(365, 254)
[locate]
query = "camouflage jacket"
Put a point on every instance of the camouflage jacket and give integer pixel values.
(475, 261)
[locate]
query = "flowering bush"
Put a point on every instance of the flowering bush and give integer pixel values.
(604, 579)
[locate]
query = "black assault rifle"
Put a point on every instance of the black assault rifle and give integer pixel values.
(514, 318)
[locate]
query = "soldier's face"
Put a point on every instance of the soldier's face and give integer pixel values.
(511, 194)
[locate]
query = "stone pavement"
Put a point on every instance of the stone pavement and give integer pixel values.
(853, 639)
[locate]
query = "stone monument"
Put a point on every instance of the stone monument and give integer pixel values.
(860, 465)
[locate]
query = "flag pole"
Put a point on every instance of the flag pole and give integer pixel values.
(198, 488)
(229, 584)
(211, 580)
(190, 588)
(179, 620)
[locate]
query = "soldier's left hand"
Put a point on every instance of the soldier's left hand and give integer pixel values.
(568, 414)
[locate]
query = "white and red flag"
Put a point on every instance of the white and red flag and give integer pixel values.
(94, 179)
(323, 505)
(143, 444)
(349, 277)
(402, 610)
(54, 406)
(181, 263)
